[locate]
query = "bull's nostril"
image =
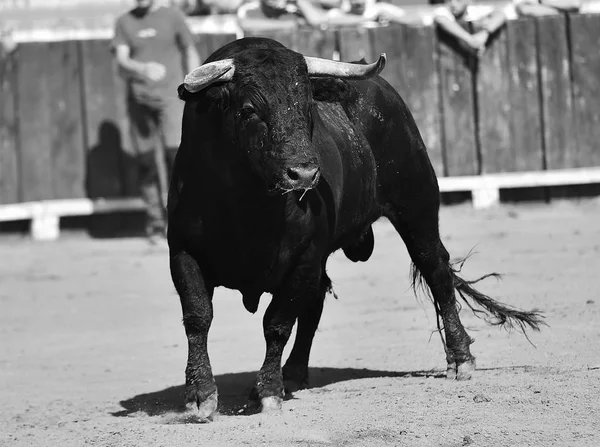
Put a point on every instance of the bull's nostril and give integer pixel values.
(293, 174)
(316, 175)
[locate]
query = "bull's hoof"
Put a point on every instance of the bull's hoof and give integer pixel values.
(292, 385)
(295, 378)
(462, 371)
(206, 409)
(270, 404)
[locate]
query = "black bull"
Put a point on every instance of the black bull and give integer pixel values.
(284, 160)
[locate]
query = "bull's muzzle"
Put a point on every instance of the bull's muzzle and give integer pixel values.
(301, 177)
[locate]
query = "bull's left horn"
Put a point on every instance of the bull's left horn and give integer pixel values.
(318, 67)
(207, 74)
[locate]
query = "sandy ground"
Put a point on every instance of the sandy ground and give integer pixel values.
(92, 350)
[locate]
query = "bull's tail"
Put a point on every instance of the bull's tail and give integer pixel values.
(492, 311)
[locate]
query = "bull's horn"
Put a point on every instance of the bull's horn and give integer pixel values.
(318, 67)
(204, 75)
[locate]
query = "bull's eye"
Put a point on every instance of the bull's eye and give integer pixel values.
(246, 112)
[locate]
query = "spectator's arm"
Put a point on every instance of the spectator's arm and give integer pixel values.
(493, 21)
(186, 41)
(316, 16)
(122, 50)
(388, 12)
(454, 29)
(127, 64)
(192, 58)
(534, 10)
(563, 5)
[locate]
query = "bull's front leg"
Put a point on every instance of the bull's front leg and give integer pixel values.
(288, 302)
(196, 304)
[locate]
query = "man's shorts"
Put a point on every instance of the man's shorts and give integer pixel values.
(152, 125)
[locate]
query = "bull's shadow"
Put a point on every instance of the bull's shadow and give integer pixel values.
(234, 390)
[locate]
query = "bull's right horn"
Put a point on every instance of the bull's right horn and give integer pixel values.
(207, 74)
(318, 67)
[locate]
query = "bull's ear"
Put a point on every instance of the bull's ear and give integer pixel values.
(207, 99)
(330, 89)
(184, 94)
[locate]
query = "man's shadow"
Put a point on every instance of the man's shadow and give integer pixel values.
(234, 390)
(111, 173)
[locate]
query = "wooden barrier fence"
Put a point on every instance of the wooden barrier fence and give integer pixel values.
(526, 114)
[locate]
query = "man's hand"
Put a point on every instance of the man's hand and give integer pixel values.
(154, 71)
(478, 41)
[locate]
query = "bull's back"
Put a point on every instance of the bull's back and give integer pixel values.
(403, 165)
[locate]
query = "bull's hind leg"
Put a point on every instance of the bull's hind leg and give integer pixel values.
(417, 223)
(196, 304)
(433, 262)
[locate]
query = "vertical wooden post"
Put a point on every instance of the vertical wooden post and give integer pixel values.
(456, 71)
(494, 108)
(9, 157)
(557, 105)
(524, 96)
(422, 84)
(585, 59)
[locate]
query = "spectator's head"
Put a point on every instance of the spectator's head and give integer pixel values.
(458, 8)
(144, 4)
(273, 8)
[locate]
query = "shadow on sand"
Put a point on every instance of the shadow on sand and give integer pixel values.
(234, 390)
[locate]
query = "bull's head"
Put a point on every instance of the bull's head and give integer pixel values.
(266, 97)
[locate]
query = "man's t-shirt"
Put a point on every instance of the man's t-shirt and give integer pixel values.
(159, 36)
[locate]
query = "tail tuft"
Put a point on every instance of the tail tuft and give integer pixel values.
(498, 314)
(492, 311)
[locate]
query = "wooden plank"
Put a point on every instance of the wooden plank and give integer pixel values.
(585, 57)
(106, 125)
(419, 69)
(557, 106)
(390, 40)
(66, 121)
(315, 42)
(524, 96)
(284, 36)
(34, 122)
(457, 104)
(206, 43)
(493, 92)
(9, 162)
(354, 44)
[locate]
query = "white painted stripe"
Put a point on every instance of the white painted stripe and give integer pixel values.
(558, 177)
(69, 207)
(86, 207)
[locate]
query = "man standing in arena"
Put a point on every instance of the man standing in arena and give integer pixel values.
(154, 48)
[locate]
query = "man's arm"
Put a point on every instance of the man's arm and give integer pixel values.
(139, 70)
(493, 21)
(317, 16)
(454, 29)
(535, 9)
(192, 58)
(186, 42)
(563, 5)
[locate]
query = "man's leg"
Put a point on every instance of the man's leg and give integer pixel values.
(144, 134)
(170, 120)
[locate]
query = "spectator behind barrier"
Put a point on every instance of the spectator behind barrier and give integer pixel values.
(259, 15)
(456, 17)
(7, 41)
(349, 12)
(539, 8)
(150, 43)
(321, 13)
